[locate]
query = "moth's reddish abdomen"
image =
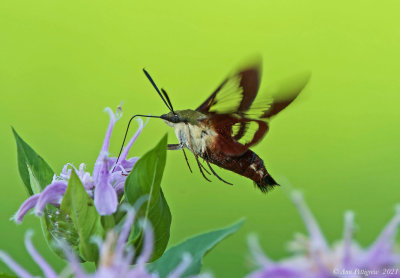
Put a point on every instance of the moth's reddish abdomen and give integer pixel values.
(248, 164)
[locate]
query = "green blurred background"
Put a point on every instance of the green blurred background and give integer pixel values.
(62, 62)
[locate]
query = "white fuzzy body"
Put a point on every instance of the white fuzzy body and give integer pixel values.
(194, 137)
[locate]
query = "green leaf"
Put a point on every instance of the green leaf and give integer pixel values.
(80, 207)
(35, 185)
(145, 179)
(27, 157)
(196, 246)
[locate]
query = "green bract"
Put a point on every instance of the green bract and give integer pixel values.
(80, 207)
(28, 158)
(145, 180)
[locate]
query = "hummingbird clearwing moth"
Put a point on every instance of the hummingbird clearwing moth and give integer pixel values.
(224, 127)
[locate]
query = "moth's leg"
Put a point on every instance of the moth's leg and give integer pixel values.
(215, 174)
(187, 161)
(200, 167)
(189, 143)
(204, 168)
(174, 147)
(189, 138)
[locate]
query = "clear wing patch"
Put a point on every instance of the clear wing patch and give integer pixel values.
(259, 107)
(228, 98)
(244, 132)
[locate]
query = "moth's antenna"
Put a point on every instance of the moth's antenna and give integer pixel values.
(168, 100)
(126, 133)
(155, 87)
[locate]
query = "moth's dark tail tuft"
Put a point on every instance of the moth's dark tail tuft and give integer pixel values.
(266, 184)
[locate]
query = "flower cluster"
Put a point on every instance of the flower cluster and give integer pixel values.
(114, 257)
(316, 259)
(80, 209)
(105, 185)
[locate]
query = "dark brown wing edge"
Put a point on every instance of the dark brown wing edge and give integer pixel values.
(249, 81)
(287, 93)
(206, 105)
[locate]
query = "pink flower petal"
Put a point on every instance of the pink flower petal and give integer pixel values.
(52, 194)
(25, 207)
(46, 268)
(105, 196)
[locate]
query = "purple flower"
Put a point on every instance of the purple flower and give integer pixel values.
(114, 257)
(105, 185)
(314, 258)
